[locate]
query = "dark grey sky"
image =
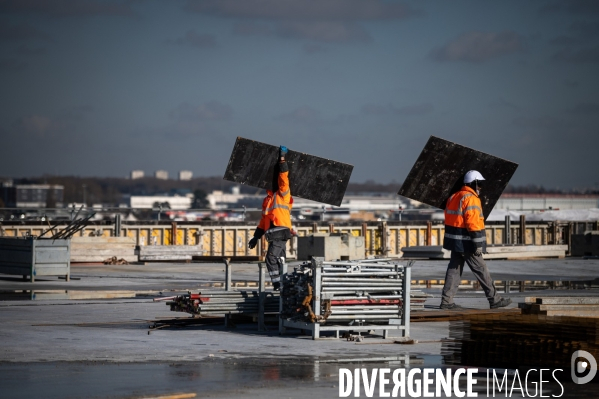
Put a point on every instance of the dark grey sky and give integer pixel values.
(102, 87)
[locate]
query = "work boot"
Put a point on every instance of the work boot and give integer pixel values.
(450, 306)
(502, 303)
(276, 286)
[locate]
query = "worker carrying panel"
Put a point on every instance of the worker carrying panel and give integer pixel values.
(440, 169)
(464, 222)
(314, 178)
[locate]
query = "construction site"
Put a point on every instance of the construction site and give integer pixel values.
(175, 309)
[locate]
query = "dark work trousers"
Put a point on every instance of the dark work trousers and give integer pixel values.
(454, 276)
(276, 251)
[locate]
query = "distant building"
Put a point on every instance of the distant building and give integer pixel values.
(185, 174)
(532, 202)
(167, 201)
(137, 174)
(32, 195)
(161, 174)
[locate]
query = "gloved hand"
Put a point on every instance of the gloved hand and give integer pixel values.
(282, 151)
(478, 252)
(253, 242)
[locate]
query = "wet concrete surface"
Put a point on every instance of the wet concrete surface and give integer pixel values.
(100, 348)
(227, 378)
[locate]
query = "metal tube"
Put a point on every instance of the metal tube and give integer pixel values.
(362, 288)
(361, 311)
(359, 285)
(358, 280)
(363, 317)
(361, 274)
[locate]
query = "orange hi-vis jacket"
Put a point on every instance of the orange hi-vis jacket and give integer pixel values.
(464, 222)
(276, 207)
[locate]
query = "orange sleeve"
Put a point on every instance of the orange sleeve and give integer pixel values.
(284, 185)
(473, 214)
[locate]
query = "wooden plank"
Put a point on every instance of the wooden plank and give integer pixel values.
(95, 259)
(143, 258)
(169, 249)
(496, 252)
(100, 294)
(103, 240)
(310, 177)
(248, 258)
(568, 301)
(440, 169)
(572, 313)
(103, 252)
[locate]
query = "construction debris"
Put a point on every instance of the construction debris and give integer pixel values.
(76, 225)
(212, 303)
(561, 306)
(369, 294)
(493, 252)
(97, 249)
(369, 289)
(528, 340)
(115, 261)
(163, 253)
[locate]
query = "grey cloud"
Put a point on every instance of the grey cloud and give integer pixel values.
(418, 109)
(76, 113)
(67, 8)
(380, 110)
(564, 41)
(571, 83)
(311, 48)
(479, 47)
(181, 130)
(307, 9)
(21, 32)
(581, 32)
(503, 103)
(38, 125)
(582, 7)
(194, 39)
(587, 30)
(184, 130)
(584, 109)
(548, 123)
(27, 50)
(588, 55)
(247, 28)
(12, 64)
(322, 31)
(326, 31)
(210, 111)
(302, 115)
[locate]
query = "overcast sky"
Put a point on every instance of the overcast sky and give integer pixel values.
(98, 88)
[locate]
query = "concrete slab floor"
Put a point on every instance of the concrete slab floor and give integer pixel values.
(101, 348)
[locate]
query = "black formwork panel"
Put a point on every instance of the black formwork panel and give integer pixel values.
(310, 177)
(439, 172)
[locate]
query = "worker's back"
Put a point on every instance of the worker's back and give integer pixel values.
(464, 222)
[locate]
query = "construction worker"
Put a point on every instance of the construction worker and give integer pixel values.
(276, 221)
(465, 237)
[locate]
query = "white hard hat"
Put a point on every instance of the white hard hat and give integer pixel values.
(473, 175)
